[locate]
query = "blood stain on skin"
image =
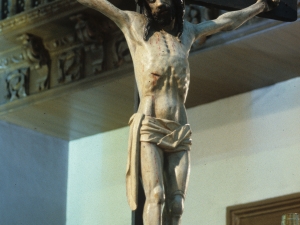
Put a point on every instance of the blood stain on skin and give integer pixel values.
(155, 78)
(155, 74)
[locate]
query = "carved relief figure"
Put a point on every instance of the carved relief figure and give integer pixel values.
(159, 41)
(16, 84)
(38, 58)
(70, 66)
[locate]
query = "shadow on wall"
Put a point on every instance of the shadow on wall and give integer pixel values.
(33, 177)
(262, 102)
(263, 120)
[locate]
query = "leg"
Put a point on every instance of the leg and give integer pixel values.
(152, 176)
(177, 170)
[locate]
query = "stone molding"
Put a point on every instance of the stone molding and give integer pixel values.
(88, 45)
(38, 14)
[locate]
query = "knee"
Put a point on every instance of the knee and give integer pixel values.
(177, 206)
(157, 195)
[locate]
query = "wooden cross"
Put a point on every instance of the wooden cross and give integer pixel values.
(286, 11)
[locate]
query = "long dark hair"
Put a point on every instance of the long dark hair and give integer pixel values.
(179, 16)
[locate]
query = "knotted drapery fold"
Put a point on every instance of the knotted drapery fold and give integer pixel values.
(169, 135)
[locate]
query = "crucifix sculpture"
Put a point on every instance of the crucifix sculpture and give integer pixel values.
(160, 137)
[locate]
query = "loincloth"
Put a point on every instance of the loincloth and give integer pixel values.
(169, 135)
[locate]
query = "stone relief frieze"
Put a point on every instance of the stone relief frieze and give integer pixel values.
(105, 45)
(116, 51)
(17, 83)
(114, 46)
(4, 9)
(24, 5)
(123, 52)
(44, 12)
(88, 30)
(32, 55)
(7, 62)
(34, 50)
(31, 51)
(62, 42)
(38, 59)
(36, 3)
(94, 58)
(91, 37)
(39, 79)
(20, 6)
(70, 66)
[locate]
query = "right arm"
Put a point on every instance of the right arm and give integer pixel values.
(232, 20)
(120, 17)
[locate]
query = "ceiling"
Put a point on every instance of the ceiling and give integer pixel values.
(227, 65)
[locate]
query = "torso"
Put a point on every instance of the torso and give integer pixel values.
(161, 70)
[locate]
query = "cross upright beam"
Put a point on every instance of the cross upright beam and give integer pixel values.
(286, 11)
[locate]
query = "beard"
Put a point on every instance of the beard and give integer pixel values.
(164, 17)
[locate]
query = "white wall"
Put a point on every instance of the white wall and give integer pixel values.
(245, 148)
(33, 177)
(96, 182)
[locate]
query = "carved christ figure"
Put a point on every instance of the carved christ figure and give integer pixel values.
(160, 136)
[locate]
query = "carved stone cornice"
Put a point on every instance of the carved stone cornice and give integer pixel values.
(57, 43)
(38, 16)
(25, 69)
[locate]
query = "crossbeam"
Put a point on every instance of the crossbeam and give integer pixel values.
(286, 11)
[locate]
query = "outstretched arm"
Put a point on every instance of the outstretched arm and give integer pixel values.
(232, 20)
(118, 16)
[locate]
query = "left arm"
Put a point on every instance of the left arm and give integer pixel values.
(232, 20)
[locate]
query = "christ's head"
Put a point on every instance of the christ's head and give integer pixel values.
(163, 13)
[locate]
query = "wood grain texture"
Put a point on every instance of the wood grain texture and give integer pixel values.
(253, 62)
(266, 212)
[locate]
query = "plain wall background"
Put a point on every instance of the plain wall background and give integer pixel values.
(33, 177)
(245, 148)
(96, 183)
